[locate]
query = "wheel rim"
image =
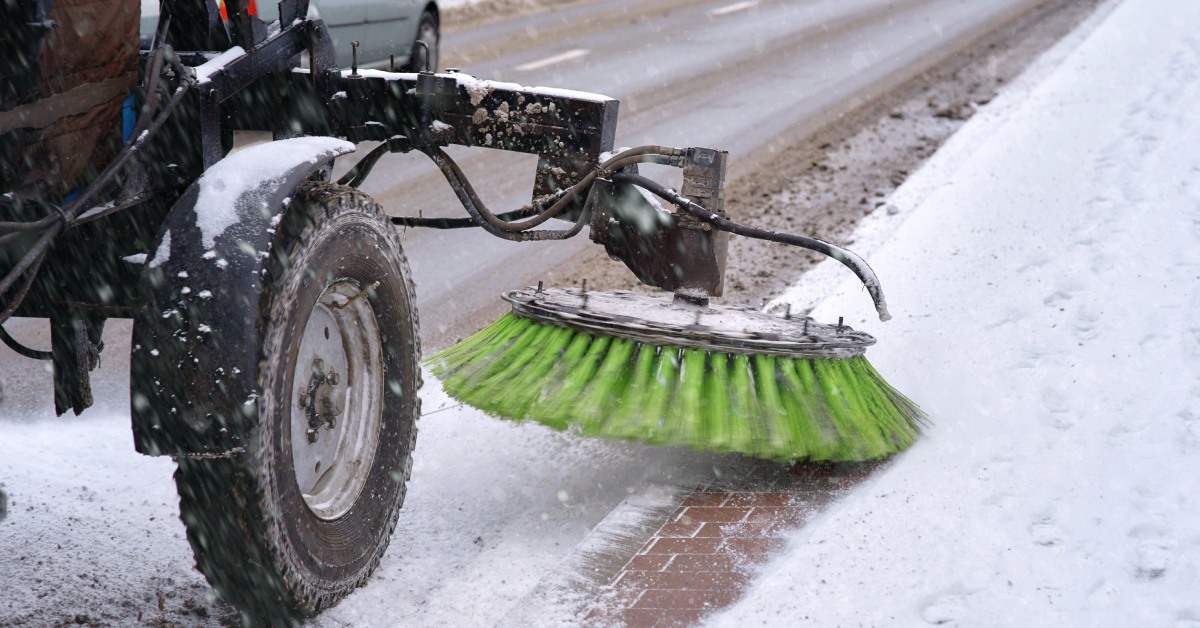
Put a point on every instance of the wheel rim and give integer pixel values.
(337, 400)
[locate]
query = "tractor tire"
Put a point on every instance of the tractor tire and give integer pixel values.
(427, 31)
(302, 517)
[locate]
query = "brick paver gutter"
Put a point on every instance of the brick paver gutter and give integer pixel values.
(704, 556)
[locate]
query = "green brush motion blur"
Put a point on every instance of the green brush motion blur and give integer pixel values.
(764, 406)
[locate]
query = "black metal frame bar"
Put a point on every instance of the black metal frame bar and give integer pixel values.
(569, 133)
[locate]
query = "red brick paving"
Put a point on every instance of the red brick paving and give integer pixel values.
(699, 560)
(703, 557)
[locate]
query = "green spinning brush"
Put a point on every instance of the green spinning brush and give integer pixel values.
(667, 371)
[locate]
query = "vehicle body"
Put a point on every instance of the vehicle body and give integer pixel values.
(387, 30)
(383, 27)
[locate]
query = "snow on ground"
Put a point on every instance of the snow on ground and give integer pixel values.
(1047, 303)
(93, 528)
(494, 510)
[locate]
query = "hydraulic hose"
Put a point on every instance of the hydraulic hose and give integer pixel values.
(33, 258)
(500, 225)
(21, 349)
(847, 258)
(486, 219)
(359, 172)
(459, 223)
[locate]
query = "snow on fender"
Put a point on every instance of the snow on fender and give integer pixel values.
(193, 364)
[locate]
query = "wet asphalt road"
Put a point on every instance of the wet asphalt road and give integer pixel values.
(740, 76)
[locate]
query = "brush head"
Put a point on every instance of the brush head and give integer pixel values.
(664, 320)
(654, 370)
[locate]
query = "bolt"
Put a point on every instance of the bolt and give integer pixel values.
(425, 47)
(391, 63)
(788, 313)
(839, 327)
(332, 377)
(354, 58)
(312, 435)
(539, 290)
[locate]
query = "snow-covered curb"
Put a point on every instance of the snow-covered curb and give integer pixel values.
(878, 228)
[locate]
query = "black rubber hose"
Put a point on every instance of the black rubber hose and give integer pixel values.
(359, 172)
(6, 227)
(22, 290)
(150, 89)
(459, 223)
(21, 349)
(493, 224)
(847, 258)
(33, 257)
(484, 218)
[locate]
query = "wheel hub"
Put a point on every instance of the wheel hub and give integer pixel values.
(322, 401)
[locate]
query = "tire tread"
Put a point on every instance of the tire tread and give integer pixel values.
(233, 548)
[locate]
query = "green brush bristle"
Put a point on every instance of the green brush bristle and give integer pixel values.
(765, 406)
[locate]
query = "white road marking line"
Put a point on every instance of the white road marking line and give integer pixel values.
(733, 8)
(566, 56)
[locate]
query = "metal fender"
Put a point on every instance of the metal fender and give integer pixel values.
(194, 363)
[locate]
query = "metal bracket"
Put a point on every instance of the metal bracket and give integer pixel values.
(669, 250)
(76, 342)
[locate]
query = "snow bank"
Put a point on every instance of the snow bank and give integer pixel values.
(1047, 303)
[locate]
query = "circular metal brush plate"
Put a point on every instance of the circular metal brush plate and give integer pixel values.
(661, 320)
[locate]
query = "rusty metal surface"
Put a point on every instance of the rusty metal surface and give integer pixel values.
(568, 130)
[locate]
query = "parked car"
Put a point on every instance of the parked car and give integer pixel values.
(383, 28)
